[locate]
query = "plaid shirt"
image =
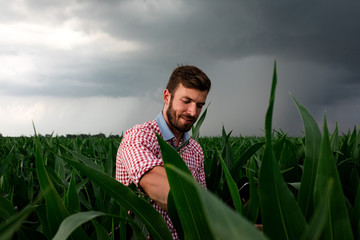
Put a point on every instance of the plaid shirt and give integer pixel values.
(139, 152)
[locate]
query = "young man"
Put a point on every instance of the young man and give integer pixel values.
(139, 160)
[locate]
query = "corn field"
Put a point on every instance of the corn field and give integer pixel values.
(303, 187)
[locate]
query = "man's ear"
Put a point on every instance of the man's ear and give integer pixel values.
(166, 96)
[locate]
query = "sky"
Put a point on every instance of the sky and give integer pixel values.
(89, 67)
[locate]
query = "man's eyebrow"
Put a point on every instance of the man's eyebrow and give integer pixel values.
(190, 99)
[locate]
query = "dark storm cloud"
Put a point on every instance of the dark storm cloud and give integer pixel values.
(324, 32)
(321, 30)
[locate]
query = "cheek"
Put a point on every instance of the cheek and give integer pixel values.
(181, 108)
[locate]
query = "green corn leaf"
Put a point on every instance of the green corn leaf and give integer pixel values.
(71, 199)
(190, 215)
(281, 216)
(254, 194)
(79, 157)
(356, 215)
(101, 233)
(5, 162)
(335, 140)
(55, 209)
(214, 175)
(196, 130)
(338, 222)
(99, 197)
(171, 156)
(6, 208)
(73, 222)
(228, 155)
(60, 168)
(26, 233)
(244, 157)
(139, 232)
(320, 216)
(312, 149)
(127, 199)
(224, 137)
(41, 214)
(122, 227)
(279, 146)
(220, 222)
(109, 161)
(355, 149)
(11, 225)
(174, 216)
(232, 186)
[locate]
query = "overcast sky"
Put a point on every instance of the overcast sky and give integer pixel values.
(101, 66)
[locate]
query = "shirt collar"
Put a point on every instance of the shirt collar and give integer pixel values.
(165, 130)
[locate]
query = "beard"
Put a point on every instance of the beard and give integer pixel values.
(174, 119)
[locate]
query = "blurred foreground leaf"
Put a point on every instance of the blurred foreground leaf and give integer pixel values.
(220, 221)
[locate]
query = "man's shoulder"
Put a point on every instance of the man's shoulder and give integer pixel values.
(146, 129)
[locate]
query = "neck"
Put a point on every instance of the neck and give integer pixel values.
(178, 134)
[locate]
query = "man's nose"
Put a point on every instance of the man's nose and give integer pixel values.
(192, 110)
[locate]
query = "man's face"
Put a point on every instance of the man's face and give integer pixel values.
(183, 107)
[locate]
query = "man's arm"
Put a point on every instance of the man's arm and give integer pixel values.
(156, 185)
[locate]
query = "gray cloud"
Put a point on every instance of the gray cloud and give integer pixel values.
(134, 45)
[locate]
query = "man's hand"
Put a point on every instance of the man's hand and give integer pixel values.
(155, 184)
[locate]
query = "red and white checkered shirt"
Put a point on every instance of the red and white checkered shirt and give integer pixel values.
(139, 152)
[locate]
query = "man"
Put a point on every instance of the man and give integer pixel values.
(139, 160)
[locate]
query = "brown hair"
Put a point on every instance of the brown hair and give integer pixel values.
(189, 77)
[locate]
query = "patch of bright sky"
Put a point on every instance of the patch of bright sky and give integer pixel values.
(65, 37)
(61, 116)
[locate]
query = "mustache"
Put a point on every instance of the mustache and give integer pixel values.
(188, 117)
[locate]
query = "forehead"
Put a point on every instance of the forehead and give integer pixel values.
(191, 93)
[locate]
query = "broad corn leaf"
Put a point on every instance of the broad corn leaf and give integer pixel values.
(232, 186)
(338, 222)
(221, 221)
(281, 216)
(171, 156)
(74, 221)
(189, 208)
(312, 149)
(71, 199)
(320, 216)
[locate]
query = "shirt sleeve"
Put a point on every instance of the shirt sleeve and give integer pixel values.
(138, 154)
